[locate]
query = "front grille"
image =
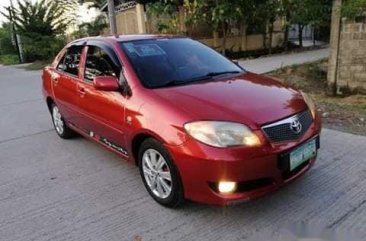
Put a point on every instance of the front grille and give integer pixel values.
(281, 131)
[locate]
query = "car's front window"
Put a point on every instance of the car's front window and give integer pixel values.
(99, 63)
(177, 61)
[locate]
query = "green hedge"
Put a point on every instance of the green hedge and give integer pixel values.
(41, 47)
(9, 59)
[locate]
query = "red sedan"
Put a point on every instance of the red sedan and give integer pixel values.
(197, 125)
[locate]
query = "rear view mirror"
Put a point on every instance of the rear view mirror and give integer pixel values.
(106, 83)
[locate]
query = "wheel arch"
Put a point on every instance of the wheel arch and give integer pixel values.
(138, 139)
(49, 101)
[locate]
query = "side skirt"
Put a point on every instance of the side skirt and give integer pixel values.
(120, 151)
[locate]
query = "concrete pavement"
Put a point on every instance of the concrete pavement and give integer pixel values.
(267, 64)
(52, 189)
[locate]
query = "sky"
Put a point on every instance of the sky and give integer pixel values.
(3, 3)
(86, 15)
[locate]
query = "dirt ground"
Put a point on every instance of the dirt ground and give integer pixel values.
(341, 113)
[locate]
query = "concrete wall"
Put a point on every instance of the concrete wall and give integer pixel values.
(127, 22)
(352, 57)
(347, 61)
(244, 43)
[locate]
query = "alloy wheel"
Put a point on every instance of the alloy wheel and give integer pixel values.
(157, 173)
(57, 120)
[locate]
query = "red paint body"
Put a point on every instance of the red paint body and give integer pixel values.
(161, 113)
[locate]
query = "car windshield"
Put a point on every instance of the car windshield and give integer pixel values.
(177, 61)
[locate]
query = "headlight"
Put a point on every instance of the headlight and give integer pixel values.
(222, 134)
(310, 103)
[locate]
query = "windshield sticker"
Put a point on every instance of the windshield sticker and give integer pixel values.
(146, 50)
(129, 47)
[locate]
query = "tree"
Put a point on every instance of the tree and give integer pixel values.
(6, 42)
(267, 12)
(286, 7)
(320, 16)
(94, 27)
(305, 12)
(222, 15)
(301, 16)
(93, 3)
(170, 9)
(352, 8)
(40, 24)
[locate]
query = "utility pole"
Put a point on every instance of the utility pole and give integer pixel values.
(112, 17)
(15, 35)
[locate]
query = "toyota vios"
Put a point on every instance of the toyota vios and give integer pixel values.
(197, 125)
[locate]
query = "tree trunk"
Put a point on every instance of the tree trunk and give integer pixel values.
(224, 38)
(287, 30)
(271, 27)
(285, 41)
(301, 28)
(243, 34)
(264, 40)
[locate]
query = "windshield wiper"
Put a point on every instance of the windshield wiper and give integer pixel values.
(186, 81)
(212, 74)
(200, 78)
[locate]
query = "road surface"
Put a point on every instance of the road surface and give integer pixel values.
(270, 63)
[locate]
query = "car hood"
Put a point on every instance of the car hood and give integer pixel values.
(247, 98)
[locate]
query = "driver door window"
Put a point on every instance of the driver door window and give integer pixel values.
(98, 63)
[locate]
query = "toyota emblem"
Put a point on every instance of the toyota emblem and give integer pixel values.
(296, 126)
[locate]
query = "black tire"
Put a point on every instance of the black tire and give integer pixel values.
(176, 196)
(66, 132)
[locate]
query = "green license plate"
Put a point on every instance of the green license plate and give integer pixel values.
(302, 154)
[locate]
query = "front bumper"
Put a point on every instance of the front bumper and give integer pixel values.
(257, 171)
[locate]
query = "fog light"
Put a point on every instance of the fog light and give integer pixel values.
(227, 187)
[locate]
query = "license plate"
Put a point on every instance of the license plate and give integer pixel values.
(302, 154)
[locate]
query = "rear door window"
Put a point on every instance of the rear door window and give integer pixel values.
(70, 62)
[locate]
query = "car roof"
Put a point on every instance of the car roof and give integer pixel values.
(126, 38)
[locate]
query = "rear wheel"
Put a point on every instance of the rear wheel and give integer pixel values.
(159, 174)
(61, 128)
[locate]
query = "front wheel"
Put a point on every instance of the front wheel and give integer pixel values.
(159, 174)
(61, 128)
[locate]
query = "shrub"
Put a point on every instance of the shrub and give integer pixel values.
(41, 47)
(9, 59)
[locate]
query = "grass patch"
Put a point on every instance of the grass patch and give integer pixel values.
(341, 113)
(38, 65)
(9, 59)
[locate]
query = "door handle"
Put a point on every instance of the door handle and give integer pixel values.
(55, 79)
(82, 91)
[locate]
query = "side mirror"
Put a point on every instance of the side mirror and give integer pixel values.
(106, 83)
